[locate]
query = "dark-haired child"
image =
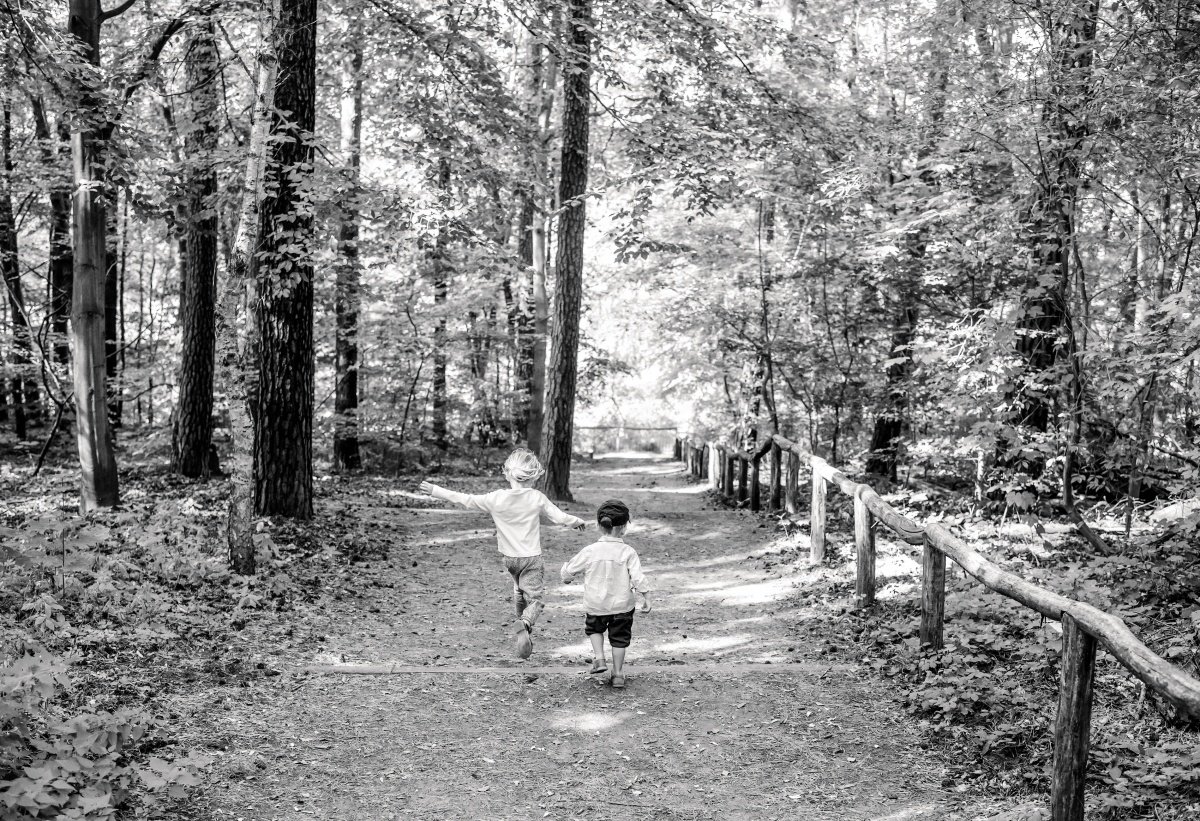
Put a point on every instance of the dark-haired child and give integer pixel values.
(612, 583)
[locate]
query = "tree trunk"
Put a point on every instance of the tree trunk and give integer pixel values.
(440, 272)
(60, 273)
(23, 389)
(284, 409)
(112, 307)
(523, 320)
(345, 435)
(191, 435)
(97, 458)
(541, 327)
(892, 423)
(558, 427)
(236, 327)
(1052, 222)
(543, 78)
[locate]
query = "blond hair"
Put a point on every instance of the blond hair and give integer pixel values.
(522, 465)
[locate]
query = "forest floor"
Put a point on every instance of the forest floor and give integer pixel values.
(731, 711)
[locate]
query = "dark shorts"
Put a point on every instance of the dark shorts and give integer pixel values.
(619, 627)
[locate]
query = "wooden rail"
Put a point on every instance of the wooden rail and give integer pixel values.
(735, 475)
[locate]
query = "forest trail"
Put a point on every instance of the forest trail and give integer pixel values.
(716, 723)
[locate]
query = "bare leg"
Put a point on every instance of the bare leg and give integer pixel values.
(597, 646)
(618, 654)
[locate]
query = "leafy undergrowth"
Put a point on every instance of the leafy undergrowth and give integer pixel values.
(108, 616)
(986, 701)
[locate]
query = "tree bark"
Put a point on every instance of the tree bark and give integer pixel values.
(523, 319)
(191, 440)
(1052, 221)
(237, 330)
(558, 426)
(535, 315)
(284, 304)
(112, 308)
(23, 388)
(60, 273)
(892, 423)
(347, 298)
(89, 135)
(440, 271)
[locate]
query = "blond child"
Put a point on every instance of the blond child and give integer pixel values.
(517, 513)
(612, 577)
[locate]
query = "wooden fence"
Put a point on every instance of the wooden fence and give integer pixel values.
(736, 476)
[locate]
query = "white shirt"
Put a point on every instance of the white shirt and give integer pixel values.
(517, 513)
(611, 572)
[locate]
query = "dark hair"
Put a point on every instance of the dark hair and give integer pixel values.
(612, 513)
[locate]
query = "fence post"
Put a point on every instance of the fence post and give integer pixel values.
(678, 449)
(714, 467)
(1073, 722)
(729, 481)
(816, 553)
(704, 461)
(755, 487)
(933, 594)
(776, 497)
(742, 468)
(792, 493)
(864, 546)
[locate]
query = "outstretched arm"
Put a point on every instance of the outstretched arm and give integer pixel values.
(467, 500)
(560, 517)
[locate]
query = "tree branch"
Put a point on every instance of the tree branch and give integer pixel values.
(164, 37)
(117, 12)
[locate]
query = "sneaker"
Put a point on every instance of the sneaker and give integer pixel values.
(598, 666)
(618, 682)
(524, 642)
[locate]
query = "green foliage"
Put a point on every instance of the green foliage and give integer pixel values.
(57, 763)
(108, 607)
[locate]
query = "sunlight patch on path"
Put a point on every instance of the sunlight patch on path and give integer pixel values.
(590, 722)
(766, 592)
(799, 668)
(711, 644)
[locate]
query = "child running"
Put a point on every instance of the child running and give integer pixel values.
(612, 573)
(517, 513)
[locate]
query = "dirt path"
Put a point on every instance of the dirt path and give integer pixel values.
(717, 722)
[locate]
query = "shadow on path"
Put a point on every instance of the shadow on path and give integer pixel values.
(717, 722)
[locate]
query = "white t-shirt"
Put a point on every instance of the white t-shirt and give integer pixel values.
(517, 514)
(611, 572)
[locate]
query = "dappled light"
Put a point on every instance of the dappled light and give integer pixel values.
(907, 813)
(333, 330)
(589, 722)
(706, 645)
(764, 592)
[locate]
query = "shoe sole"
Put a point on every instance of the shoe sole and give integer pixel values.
(524, 645)
(618, 686)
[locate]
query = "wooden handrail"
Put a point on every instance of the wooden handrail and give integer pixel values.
(1160, 675)
(1083, 625)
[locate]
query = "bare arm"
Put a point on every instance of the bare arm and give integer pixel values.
(637, 579)
(574, 567)
(467, 500)
(559, 517)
